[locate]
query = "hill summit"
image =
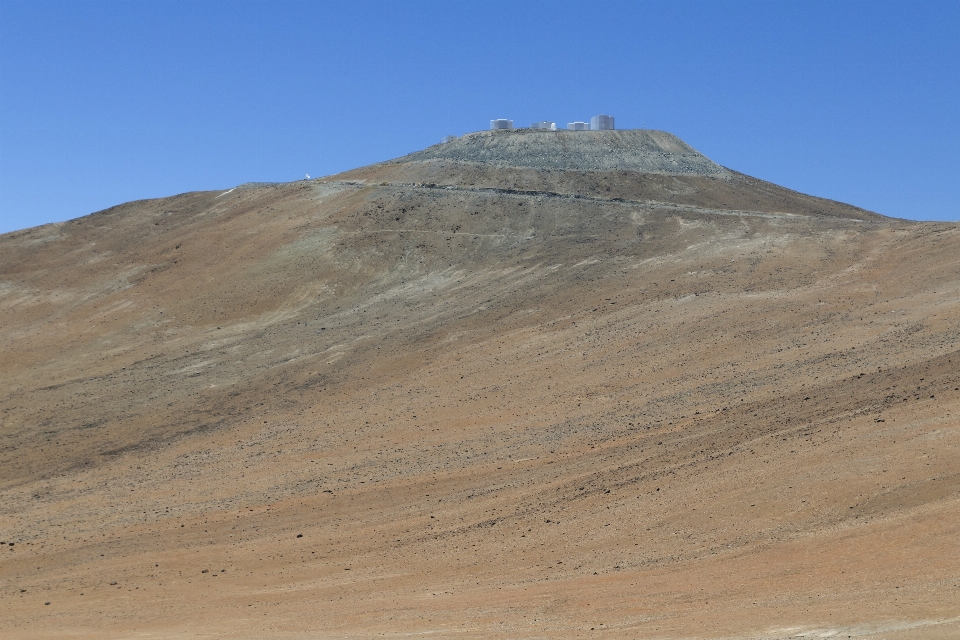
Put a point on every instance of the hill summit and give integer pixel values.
(648, 151)
(640, 166)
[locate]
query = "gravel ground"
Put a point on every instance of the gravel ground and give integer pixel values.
(451, 400)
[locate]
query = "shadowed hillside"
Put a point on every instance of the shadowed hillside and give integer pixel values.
(519, 385)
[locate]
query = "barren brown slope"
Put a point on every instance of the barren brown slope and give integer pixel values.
(490, 410)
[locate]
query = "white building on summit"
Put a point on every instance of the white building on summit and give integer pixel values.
(502, 123)
(578, 126)
(601, 123)
(552, 126)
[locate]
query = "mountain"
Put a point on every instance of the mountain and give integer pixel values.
(522, 384)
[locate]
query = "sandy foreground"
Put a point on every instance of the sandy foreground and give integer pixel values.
(375, 406)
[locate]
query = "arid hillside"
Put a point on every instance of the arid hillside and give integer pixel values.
(517, 386)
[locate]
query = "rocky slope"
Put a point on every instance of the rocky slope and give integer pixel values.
(464, 397)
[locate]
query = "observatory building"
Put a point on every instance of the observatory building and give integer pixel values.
(502, 123)
(578, 126)
(601, 123)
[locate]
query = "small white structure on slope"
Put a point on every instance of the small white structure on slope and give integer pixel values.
(601, 123)
(552, 126)
(502, 123)
(578, 126)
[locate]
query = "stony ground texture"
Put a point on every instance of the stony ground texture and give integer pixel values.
(644, 150)
(437, 397)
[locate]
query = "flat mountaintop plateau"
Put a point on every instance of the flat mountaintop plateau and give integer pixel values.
(520, 385)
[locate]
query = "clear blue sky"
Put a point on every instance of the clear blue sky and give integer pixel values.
(106, 102)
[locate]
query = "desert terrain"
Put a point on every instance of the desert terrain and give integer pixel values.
(521, 385)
